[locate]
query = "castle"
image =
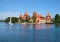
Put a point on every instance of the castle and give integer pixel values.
(38, 18)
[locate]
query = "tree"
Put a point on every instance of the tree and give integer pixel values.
(13, 19)
(57, 18)
(53, 20)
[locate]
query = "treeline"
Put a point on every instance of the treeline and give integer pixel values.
(2, 20)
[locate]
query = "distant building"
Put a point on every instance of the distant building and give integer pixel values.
(48, 18)
(25, 15)
(20, 18)
(39, 18)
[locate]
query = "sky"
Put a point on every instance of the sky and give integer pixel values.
(16, 7)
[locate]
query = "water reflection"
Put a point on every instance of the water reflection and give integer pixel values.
(10, 28)
(29, 33)
(42, 26)
(48, 26)
(57, 25)
(25, 26)
(39, 35)
(37, 26)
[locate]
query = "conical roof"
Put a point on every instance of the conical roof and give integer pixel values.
(48, 14)
(25, 14)
(20, 16)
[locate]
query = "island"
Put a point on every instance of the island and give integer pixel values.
(34, 19)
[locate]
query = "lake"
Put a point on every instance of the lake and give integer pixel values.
(29, 32)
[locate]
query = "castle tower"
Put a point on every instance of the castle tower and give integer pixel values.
(20, 17)
(34, 14)
(38, 18)
(48, 18)
(25, 14)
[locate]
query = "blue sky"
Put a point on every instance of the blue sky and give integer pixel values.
(17, 7)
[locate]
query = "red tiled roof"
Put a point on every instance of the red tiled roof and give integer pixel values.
(25, 14)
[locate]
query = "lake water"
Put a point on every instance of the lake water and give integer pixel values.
(29, 32)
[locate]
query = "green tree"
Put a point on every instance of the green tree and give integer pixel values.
(53, 20)
(13, 19)
(57, 18)
(21, 20)
(27, 19)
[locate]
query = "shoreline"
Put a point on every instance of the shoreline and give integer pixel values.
(33, 23)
